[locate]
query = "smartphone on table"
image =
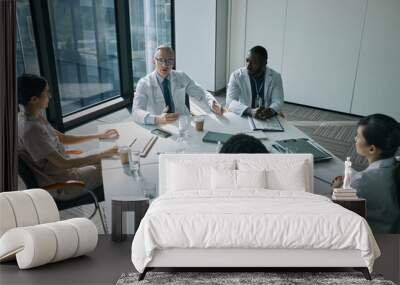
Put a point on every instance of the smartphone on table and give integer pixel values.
(161, 133)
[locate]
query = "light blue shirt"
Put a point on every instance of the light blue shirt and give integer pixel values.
(377, 185)
(151, 119)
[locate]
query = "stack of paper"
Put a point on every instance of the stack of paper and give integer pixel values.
(269, 125)
(344, 194)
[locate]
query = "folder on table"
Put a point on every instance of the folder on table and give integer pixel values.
(215, 137)
(269, 125)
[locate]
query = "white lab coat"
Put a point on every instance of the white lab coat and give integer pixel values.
(238, 95)
(149, 98)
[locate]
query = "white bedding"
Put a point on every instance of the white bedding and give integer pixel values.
(250, 219)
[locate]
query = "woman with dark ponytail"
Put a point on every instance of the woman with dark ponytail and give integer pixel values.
(378, 139)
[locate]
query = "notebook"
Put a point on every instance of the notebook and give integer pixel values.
(147, 147)
(302, 145)
(142, 141)
(215, 137)
(269, 125)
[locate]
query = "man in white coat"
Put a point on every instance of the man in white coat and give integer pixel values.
(162, 95)
(256, 87)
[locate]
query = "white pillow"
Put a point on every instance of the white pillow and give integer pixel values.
(186, 176)
(292, 180)
(282, 173)
(225, 179)
(182, 177)
(251, 178)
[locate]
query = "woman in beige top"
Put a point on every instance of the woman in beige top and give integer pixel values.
(42, 147)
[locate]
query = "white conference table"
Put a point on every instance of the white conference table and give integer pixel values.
(118, 181)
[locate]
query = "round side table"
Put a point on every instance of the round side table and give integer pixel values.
(122, 204)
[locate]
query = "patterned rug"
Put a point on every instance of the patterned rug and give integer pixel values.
(333, 131)
(243, 278)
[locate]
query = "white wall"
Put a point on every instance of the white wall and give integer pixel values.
(236, 35)
(378, 80)
(195, 40)
(337, 55)
(201, 40)
(221, 44)
(265, 26)
(322, 41)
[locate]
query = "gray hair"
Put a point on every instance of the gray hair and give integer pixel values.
(166, 48)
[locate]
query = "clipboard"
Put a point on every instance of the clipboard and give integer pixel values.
(269, 125)
(215, 137)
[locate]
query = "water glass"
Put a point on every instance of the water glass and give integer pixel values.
(148, 189)
(184, 123)
(134, 161)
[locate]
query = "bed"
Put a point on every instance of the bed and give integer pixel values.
(247, 210)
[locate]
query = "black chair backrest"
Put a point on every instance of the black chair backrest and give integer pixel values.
(26, 174)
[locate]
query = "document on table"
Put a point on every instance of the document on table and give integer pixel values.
(269, 125)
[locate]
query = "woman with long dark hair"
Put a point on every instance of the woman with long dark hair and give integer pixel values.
(42, 147)
(378, 139)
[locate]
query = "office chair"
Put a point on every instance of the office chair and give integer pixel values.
(87, 196)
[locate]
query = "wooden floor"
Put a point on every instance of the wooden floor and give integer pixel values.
(103, 266)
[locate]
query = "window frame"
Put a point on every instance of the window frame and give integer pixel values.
(47, 65)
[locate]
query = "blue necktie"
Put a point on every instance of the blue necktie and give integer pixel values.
(167, 96)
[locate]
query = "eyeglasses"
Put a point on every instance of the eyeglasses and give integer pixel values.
(166, 62)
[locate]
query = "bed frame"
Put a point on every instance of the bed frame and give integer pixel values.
(242, 259)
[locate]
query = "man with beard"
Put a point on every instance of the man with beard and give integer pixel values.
(255, 90)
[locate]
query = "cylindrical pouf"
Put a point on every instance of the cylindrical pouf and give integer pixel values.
(26, 208)
(41, 244)
(67, 240)
(7, 218)
(46, 208)
(23, 208)
(87, 235)
(37, 245)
